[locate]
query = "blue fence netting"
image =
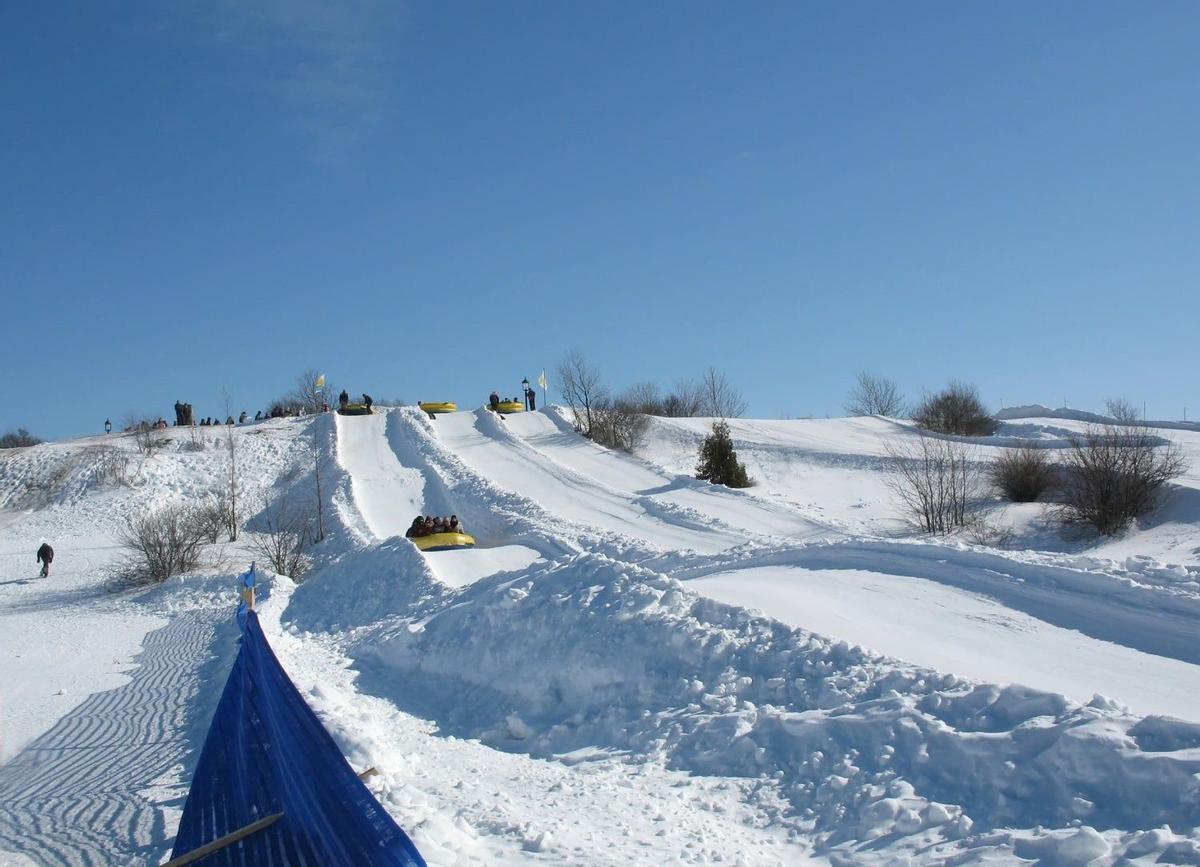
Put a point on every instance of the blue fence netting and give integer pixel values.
(267, 753)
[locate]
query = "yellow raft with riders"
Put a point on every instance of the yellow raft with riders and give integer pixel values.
(437, 407)
(507, 407)
(443, 541)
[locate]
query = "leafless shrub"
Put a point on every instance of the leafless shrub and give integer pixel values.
(234, 488)
(215, 513)
(721, 398)
(146, 436)
(936, 482)
(1121, 410)
(684, 401)
(284, 537)
(956, 409)
(1024, 474)
(196, 442)
(169, 541)
(982, 531)
(111, 466)
(874, 395)
(644, 397)
(582, 389)
(18, 439)
(1115, 474)
(619, 424)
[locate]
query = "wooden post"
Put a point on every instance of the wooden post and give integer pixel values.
(227, 840)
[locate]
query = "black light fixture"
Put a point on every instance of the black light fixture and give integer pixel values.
(525, 392)
(107, 426)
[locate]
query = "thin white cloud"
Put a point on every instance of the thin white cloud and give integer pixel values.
(326, 62)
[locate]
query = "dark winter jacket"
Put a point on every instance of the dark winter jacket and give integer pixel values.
(45, 554)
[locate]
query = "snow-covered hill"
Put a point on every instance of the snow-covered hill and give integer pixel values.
(632, 666)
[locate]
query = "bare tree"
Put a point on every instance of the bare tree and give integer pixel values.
(936, 482)
(231, 448)
(285, 537)
(644, 397)
(582, 389)
(721, 399)
(320, 537)
(875, 395)
(956, 409)
(1115, 474)
(307, 396)
(1122, 410)
(160, 544)
(686, 400)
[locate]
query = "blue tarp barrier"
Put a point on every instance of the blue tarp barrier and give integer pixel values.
(266, 753)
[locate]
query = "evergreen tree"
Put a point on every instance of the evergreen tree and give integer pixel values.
(718, 461)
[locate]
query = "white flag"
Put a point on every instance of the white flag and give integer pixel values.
(542, 380)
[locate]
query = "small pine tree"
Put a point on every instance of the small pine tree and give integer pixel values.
(718, 461)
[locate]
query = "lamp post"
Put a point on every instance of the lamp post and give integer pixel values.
(107, 426)
(525, 392)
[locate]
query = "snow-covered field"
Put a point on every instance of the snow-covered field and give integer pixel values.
(632, 666)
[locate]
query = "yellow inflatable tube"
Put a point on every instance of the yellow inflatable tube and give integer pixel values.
(507, 406)
(443, 406)
(443, 541)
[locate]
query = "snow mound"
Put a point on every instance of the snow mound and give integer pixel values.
(593, 652)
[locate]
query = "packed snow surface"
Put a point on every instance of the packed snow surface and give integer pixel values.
(632, 666)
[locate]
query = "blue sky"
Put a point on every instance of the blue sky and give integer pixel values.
(430, 201)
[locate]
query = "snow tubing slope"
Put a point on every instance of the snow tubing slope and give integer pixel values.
(267, 753)
(443, 541)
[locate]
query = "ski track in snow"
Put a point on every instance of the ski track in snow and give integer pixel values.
(566, 693)
(105, 784)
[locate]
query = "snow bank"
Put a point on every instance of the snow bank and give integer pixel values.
(593, 652)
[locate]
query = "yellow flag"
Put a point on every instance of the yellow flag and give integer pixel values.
(320, 383)
(542, 380)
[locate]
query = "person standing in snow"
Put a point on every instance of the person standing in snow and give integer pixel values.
(343, 399)
(45, 555)
(367, 401)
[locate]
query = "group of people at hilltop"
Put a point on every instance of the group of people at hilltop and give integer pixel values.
(530, 402)
(344, 400)
(427, 525)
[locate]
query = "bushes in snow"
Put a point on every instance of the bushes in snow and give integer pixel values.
(619, 422)
(1025, 474)
(956, 409)
(936, 482)
(718, 460)
(1114, 474)
(284, 536)
(169, 541)
(18, 439)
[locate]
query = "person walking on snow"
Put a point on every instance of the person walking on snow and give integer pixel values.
(367, 401)
(45, 556)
